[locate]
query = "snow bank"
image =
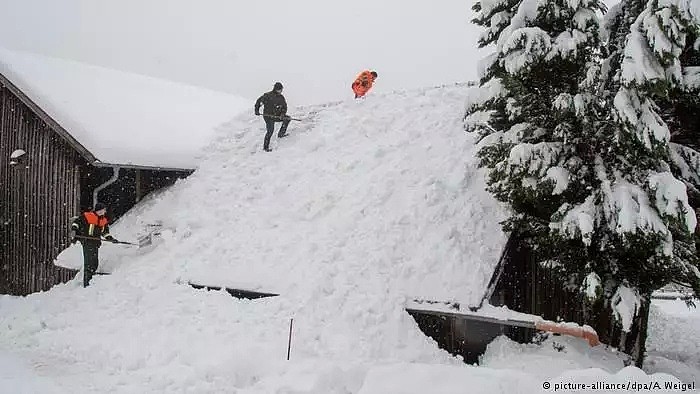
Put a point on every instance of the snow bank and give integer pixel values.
(553, 357)
(364, 205)
(421, 378)
(18, 377)
(123, 118)
(440, 379)
(672, 346)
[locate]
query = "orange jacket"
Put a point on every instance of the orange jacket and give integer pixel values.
(90, 225)
(363, 83)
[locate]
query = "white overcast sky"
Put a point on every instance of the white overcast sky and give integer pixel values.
(315, 47)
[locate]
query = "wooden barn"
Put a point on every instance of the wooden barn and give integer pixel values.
(71, 135)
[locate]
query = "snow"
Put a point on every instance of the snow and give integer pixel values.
(487, 310)
(478, 95)
(388, 182)
(123, 118)
(687, 160)
(523, 43)
(554, 356)
(578, 221)
(691, 77)
(672, 346)
(639, 65)
(555, 366)
(592, 286)
(17, 153)
(567, 43)
(560, 177)
(672, 198)
(656, 41)
(625, 304)
(534, 159)
(627, 207)
(639, 113)
(439, 379)
(20, 377)
(524, 47)
(365, 205)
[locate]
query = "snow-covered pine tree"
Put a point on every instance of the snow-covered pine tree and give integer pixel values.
(656, 94)
(536, 113)
(587, 177)
(679, 105)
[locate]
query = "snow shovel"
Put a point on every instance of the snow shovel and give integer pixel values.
(282, 117)
(100, 239)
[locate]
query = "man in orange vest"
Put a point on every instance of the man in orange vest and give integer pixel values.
(363, 83)
(90, 228)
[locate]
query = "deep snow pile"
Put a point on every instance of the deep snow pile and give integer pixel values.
(365, 206)
(380, 196)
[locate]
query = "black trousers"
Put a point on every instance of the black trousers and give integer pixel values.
(270, 124)
(90, 261)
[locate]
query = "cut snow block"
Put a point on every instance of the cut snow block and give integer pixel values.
(238, 293)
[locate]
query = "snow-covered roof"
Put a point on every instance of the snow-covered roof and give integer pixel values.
(122, 118)
(384, 192)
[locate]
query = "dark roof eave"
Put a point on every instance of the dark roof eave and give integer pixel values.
(97, 163)
(46, 118)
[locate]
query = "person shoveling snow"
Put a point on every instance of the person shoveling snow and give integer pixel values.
(363, 83)
(274, 110)
(90, 229)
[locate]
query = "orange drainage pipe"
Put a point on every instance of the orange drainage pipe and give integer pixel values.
(586, 332)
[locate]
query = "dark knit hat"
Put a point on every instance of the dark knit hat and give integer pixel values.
(99, 206)
(278, 86)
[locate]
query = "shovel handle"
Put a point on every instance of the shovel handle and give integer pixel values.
(100, 239)
(281, 117)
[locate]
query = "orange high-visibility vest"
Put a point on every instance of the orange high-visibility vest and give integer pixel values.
(363, 83)
(93, 220)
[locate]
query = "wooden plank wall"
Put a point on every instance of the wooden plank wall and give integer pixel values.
(37, 199)
(527, 286)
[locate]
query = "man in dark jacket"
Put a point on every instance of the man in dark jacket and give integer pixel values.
(90, 228)
(275, 110)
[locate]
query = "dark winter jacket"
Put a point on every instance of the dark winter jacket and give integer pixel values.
(90, 225)
(273, 102)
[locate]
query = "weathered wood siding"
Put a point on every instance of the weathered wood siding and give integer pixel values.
(527, 286)
(38, 197)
